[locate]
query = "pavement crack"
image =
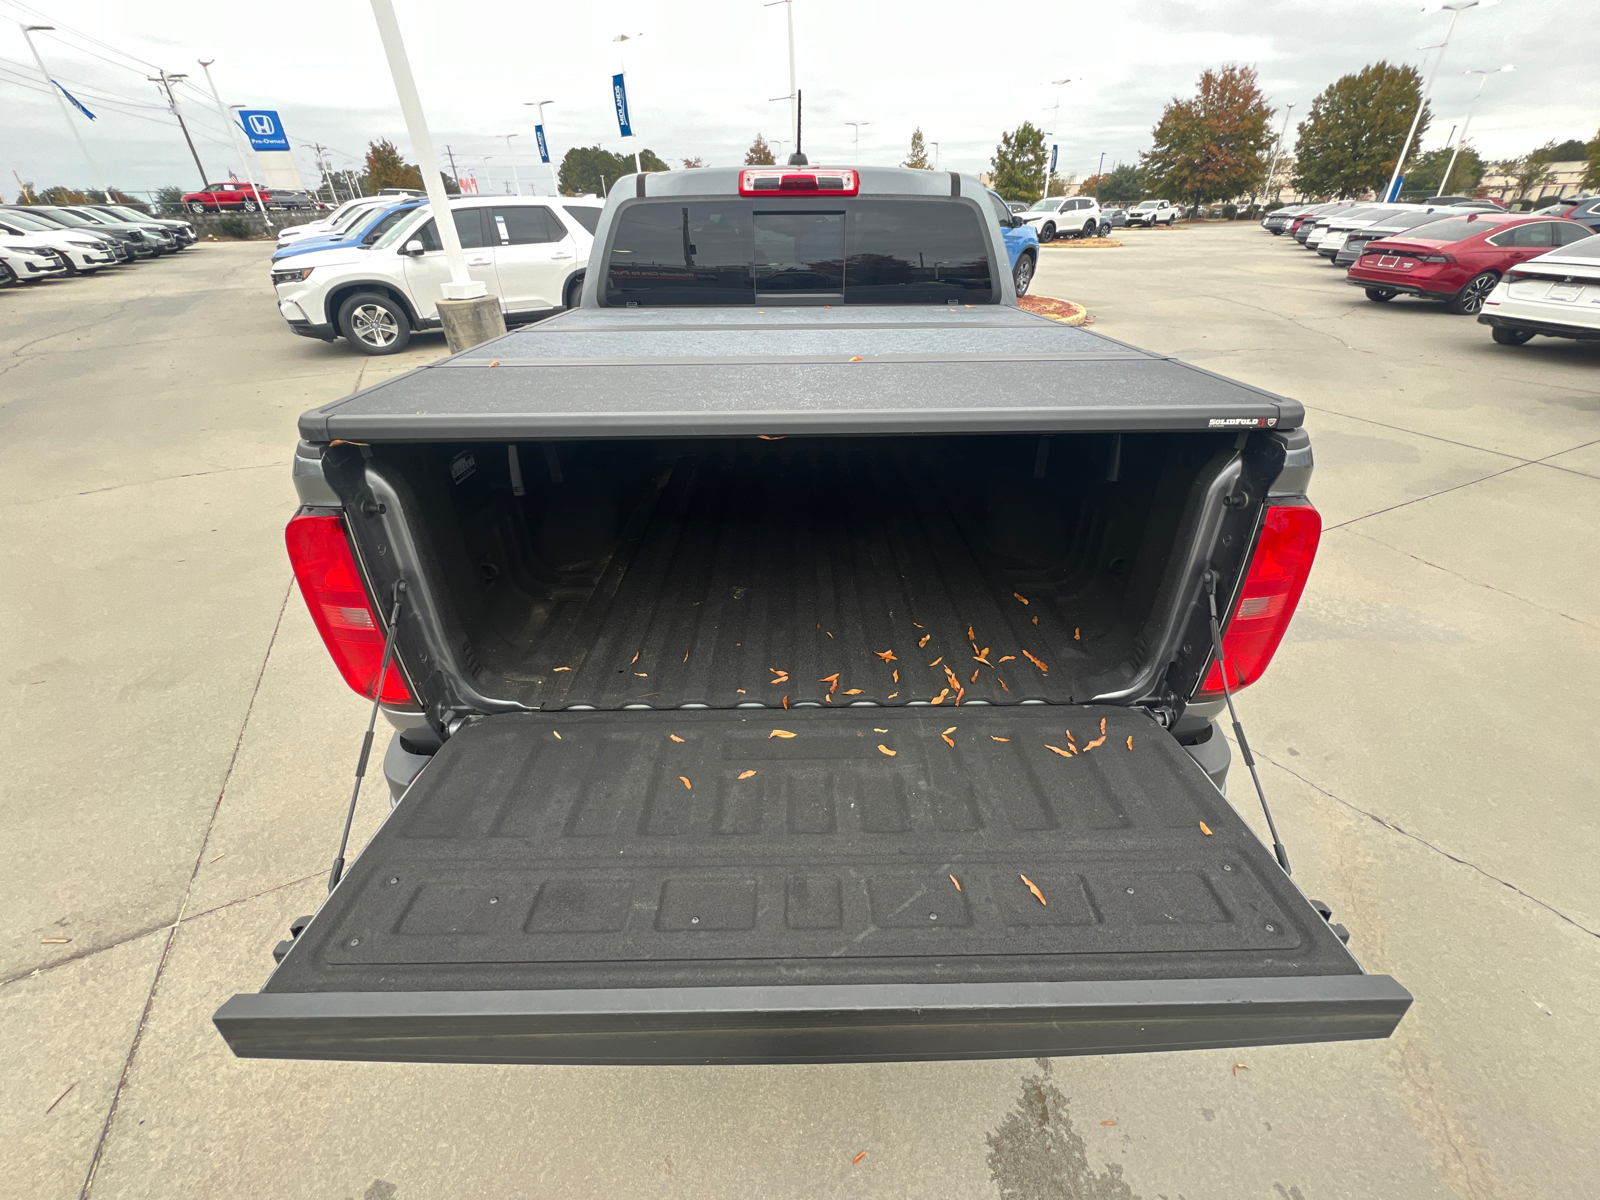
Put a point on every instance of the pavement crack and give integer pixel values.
(190, 475)
(1292, 321)
(1378, 512)
(172, 932)
(1420, 840)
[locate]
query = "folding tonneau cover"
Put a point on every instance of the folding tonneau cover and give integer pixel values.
(663, 372)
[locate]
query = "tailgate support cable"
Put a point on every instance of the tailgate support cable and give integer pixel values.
(372, 721)
(1209, 579)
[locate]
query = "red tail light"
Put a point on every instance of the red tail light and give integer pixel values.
(1272, 588)
(333, 591)
(786, 182)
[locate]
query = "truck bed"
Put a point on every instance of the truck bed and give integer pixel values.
(618, 372)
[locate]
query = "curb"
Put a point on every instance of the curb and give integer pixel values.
(1064, 311)
(1095, 243)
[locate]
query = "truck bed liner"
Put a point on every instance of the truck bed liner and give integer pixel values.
(736, 372)
(597, 854)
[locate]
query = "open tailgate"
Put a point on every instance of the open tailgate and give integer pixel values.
(696, 886)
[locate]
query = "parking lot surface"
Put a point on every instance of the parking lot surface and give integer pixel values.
(182, 748)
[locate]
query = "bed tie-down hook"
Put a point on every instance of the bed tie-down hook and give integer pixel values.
(1209, 580)
(372, 722)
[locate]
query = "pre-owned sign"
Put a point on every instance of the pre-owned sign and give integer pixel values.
(262, 127)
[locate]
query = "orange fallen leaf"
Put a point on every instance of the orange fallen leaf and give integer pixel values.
(642, 674)
(853, 692)
(974, 678)
(856, 358)
(863, 1154)
(891, 695)
(926, 638)
(919, 626)
(1070, 738)
(1108, 1122)
(1058, 750)
(1034, 888)
(939, 699)
(1102, 724)
(1036, 662)
(779, 733)
(740, 692)
(937, 661)
(960, 692)
(557, 733)
(1237, 1067)
(746, 774)
(54, 941)
(875, 729)
(786, 702)
(1077, 635)
(494, 362)
(956, 881)
(1130, 741)
(635, 657)
(886, 750)
(1002, 684)
(1008, 658)
(780, 679)
(897, 676)
(992, 738)
(834, 678)
(685, 656)
(1099, 741)
(674, 737)
(886, 655)
(949, 741)
(684, 779)
(561, 668)
(829, 634)
(827, 697)
(1205, 829)
(768, 437)
(1036, 620)
(971, 637)
(1020, 596)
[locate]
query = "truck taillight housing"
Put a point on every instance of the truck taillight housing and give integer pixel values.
(774, 181)
(1272, 587)
(331, 584)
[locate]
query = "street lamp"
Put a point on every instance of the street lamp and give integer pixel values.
(1455, 8)
(794, 89)
(544, 147)
(935, 146)
(515, 181)
(1483, 78)
(1272, 163)
(1055, 119)
(858, 125)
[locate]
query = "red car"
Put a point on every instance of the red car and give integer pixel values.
(234, 193)
(1457, 259)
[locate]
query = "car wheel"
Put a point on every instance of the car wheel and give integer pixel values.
(1047, 233)
(1381, 295)
(374, 324)
(1511, 337)
(1089, 229)
(249, 206)
(1469, 300)
(196, 207)
(1105, 228)
(1022, 274)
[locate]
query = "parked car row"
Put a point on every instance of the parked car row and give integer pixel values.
(38, 241)
(1522, 274)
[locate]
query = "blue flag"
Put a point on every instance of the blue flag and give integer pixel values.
(544, 150)
(619, 94)
(76, 103)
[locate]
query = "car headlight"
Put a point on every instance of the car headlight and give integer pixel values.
(292, 274)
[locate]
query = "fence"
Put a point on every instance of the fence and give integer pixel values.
(235, 225)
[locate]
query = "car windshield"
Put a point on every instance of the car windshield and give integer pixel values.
(1145, 204)
(67, 218)
(388, 222)
(1044, 206)
(400, 230)
(1589, 247)
(33, 224)
(1405, 220)
(351, 217)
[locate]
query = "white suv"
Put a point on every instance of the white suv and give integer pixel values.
(530, 252)
(1064, 216)
(1152, 213)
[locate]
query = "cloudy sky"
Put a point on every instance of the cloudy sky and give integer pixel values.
(702, 75)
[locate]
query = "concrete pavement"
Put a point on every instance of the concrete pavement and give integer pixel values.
(183, 747)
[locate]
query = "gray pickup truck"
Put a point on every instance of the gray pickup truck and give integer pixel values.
(798, 653)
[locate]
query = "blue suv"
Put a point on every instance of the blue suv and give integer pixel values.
(1022, 243)
(361, 235)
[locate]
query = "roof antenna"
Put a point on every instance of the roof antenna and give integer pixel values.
(798, 159)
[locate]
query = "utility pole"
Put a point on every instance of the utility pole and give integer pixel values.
(317, 148)
(66, 114)
(166, 80)
(233, 131)
(1098, 172)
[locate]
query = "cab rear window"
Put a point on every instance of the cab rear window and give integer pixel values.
(737, 251)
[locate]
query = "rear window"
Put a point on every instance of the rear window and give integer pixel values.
(1589, 247)
(1452, 229)
(738, 251)
(586, 215)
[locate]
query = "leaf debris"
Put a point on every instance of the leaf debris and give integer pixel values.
(926, 638)
(1020, 597)
(1099, 741)
(1034, 888)
(1205, 829)
(1077, 634)
(779, 733)
(886, 655)
(561, 668)
(746, 774)
(949, 741)
(875, 729)
(1036, 662)
(993, 738)
(937, 661)
(1130, 741)
(939, 699)
(635, 657)
(1058, 750)
(956, 881)
(863, 1154)
(1237, 1067)
(557, 732)
(684, 779)
(886, 750)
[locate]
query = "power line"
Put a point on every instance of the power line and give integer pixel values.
(61, 25)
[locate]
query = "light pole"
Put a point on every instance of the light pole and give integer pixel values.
(229, 117)
(461, 286)
(1272, 162)
(1455, 8)
(628, 37)
(1054, 120)
(166, 81)
(1483, 78)
(544, 145)
(1098, 172)
(486, 178)
(858, 125)
(935, 146)
(794, 88)
(66, 115)
(515, 181)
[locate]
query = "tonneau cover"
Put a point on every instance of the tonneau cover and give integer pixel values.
(662, 372)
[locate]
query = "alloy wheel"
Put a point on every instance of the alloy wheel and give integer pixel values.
(374, 325)
(1022, 274)
(1471, 298)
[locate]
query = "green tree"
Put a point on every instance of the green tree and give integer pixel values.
(1571, 150)
(1018, 163)
(759, 154)
(649, 160)
(1123, 184)
(1213, 147)
(385, 167)
(452, 187)
(694, 164)
(1591, 176)
(1426, 172)
(1526, 174)
(918, 158)
(589, 170)
(1349, 141)
(169, 200)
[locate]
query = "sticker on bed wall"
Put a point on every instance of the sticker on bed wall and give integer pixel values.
(1243, 422)
(462, 466)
